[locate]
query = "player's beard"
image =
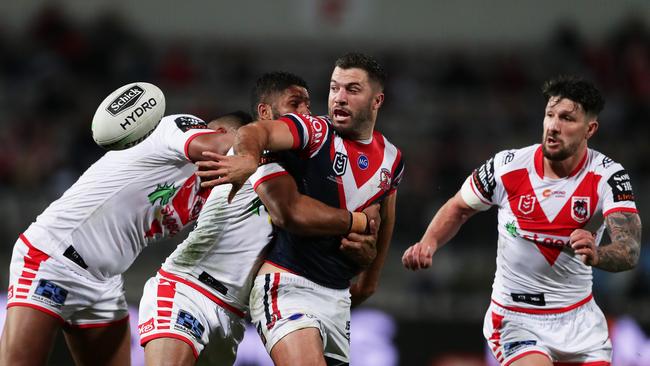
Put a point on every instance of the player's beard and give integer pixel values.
(564, 152)
(358, 122)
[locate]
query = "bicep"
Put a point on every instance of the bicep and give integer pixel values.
(624, 227)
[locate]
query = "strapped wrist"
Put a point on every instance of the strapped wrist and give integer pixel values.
(359, 223)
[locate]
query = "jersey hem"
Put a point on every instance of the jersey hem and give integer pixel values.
(203, 291)
(546, 311)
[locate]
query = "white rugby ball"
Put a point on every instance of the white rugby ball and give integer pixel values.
(128, 115)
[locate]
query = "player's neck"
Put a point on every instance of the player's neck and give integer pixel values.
(564, 168)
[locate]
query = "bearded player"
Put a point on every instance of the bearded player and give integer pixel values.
(552, 200)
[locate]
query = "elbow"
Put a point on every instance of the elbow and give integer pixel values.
(286, 220)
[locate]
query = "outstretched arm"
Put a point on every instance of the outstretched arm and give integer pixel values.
(622, 253)
(443, 227)
(249, 143)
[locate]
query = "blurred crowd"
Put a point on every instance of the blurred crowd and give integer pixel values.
(448, 107)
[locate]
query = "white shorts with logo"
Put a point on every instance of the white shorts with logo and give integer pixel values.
(41, 282)
(173, 307)
(578, 335)
(282, 303)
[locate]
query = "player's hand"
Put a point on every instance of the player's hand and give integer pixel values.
(361, 248)
(222, 169)
(583, 243)
(418, 256)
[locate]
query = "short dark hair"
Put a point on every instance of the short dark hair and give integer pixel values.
(271, 83)
(576, 89)
(234, 119)
(367, 63)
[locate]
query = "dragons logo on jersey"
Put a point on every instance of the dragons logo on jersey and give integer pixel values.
(163, 192)
(340, 164)
(527, 204)
(580, 208)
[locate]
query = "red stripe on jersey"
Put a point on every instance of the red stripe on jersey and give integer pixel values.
(22, 289)
(294, 132)
(33, 258)
(203, 291)
(539, 163)
(369, 155)
(495, 338)
(22, 281)
(620, 209)
(274, 296)
(268, 177)
(547, 311)
(186, 149)
(165, 304)
(165, 313)
(166, 288)
(531, 217)
(26, 274)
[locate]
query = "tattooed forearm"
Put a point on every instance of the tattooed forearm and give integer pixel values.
(622, 253)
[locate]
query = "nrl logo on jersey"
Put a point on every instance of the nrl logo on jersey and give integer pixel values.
(340, 163)
(580, 208)
(527, 204)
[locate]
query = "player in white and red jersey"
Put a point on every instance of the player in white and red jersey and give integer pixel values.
(66, 267)
(552, 200)
(301, 298)
(197, 303)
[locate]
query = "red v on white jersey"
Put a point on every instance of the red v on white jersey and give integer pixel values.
(574, 211)
(370, 170)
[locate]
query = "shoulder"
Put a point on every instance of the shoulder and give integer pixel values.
(512, 158)
(603, 165)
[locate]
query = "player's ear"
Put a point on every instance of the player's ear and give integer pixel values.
(591, 128)
(378, 100)
(264, 111)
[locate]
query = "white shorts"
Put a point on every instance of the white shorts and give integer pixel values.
(173, 307)
(575, 336)
(43, 283)
(282, 303)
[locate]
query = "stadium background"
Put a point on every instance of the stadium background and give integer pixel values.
(464, 80)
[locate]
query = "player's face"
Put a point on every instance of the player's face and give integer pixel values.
(294, 99)
(353, 102)
(566, 129)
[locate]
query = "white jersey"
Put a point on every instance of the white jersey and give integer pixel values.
(224, 250)
(125, 201)
(536, 267)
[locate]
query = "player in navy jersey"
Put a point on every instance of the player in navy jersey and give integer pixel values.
(194, 309)
(301, 298)
(548, 197)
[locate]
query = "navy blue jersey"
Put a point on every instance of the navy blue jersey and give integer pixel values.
(341, 173)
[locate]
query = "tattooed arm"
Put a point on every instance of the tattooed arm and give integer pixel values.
(622, 253)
